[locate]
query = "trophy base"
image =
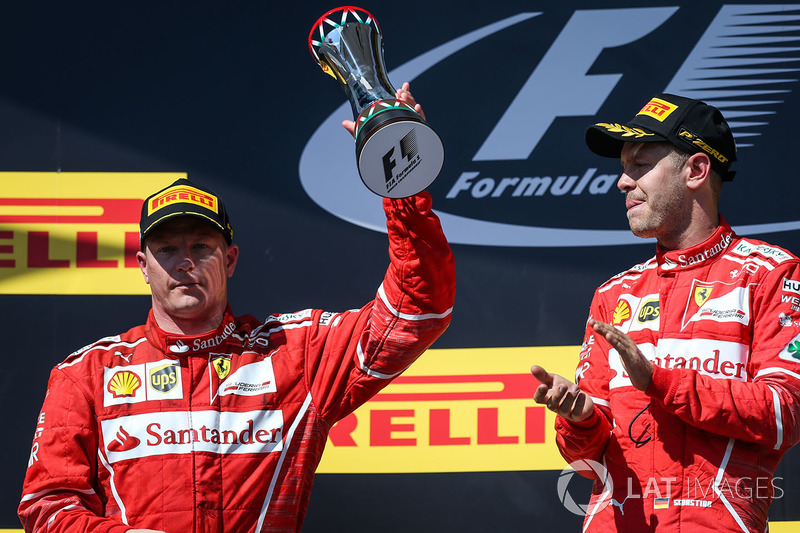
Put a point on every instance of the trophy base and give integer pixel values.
(398, 155)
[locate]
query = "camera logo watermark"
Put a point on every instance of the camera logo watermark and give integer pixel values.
(583, 465)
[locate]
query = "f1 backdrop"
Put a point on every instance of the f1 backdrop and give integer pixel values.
(103, 103)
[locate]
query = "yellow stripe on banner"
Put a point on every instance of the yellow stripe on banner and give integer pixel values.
(455, 410)
(52, 210)
(784, 527)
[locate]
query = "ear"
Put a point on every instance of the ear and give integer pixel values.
(698, 165)
(231, 256)
(141, 258)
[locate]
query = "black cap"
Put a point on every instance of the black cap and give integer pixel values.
(691, 125)
(184, 198)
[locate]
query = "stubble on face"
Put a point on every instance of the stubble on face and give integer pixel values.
(664, 211)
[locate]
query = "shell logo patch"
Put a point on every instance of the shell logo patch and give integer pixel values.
(621, 313)
(124, 384)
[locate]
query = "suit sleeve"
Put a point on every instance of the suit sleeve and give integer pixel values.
(361, 352)
(58, 493)
(765, 409)
(588, 439)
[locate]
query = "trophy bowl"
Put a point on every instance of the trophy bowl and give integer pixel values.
(397, 153)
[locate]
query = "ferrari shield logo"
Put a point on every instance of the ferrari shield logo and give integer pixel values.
(730, 302)
(701, 294)
(222, 366)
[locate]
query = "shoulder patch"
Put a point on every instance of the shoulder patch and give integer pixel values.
(632, 273)
(97, 344)
(746, 248)
(285, 318)
(104, 344)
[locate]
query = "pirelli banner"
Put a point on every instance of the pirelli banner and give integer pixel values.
(431, 419)
(73, 232)
(102, 107)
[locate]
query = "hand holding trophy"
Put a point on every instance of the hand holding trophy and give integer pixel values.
(397, 153)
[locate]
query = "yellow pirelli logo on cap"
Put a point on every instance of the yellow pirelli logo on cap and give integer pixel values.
(182, 194)
(658, 109)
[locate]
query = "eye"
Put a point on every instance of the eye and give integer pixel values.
(635, 166)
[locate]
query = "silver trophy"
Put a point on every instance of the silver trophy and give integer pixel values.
(398, 154)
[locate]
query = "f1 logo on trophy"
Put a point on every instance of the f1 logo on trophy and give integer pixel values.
(398, 154)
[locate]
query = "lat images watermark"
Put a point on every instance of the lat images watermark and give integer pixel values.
(663, 492)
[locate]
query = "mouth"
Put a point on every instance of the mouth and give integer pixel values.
(630, 203)
(186, 284)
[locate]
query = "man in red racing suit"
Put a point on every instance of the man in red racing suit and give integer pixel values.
(687, 390)
(221, 431)
(700, 445)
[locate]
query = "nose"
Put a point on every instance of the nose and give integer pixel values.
(185, 261)
(186, 264)
(625, 183)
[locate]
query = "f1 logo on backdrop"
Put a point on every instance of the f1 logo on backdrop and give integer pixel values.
(732, 65)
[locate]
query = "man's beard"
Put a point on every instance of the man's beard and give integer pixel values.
(666, 214)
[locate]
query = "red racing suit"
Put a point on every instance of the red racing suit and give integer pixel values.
(696, 451)
(223, 431)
